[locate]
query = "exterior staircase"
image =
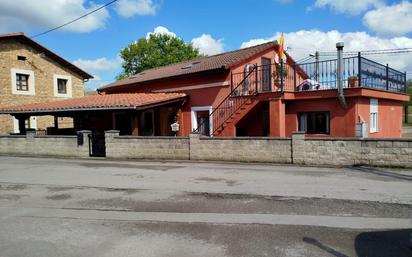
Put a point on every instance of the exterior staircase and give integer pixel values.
(234, 106)
(228, 127)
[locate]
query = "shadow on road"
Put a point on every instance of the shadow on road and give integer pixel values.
(326, 248)
(384, 173)
(384, 243)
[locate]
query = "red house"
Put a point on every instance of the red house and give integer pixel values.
(244, 93)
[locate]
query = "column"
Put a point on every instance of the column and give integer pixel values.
(277, 118)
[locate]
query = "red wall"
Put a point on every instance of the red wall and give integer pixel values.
(389, 117)
(210, 96)
(342, 122)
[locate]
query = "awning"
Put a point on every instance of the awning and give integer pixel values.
(134, 101)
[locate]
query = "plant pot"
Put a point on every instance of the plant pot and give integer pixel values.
(353, 82)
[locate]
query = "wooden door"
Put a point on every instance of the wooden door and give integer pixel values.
(266, 71)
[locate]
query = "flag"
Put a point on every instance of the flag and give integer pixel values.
(281, 53)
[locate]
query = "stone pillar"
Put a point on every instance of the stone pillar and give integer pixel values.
(194, 146)
(30, 135)
(277, 118)
(83, 143)
(298, 148)
(110, 141)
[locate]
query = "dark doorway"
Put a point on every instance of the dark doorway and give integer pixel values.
(147, 123)
(97, 145)
(123, 123)
(266, 74)
(203, 121)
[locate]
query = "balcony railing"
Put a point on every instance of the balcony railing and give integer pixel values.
(357, 72)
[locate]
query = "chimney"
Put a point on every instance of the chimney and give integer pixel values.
(340, 67)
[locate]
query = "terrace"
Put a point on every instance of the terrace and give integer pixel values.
(358, 71)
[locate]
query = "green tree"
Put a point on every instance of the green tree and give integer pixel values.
(158, 50)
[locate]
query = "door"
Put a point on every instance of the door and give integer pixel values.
(123, 123)
(97, 144)
(203, 121)
(266, 74)
(147, 123)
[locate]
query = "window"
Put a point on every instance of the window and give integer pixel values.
(314, 122)
(62, 86)
(22, 82)
(373, 124)
(21, 58)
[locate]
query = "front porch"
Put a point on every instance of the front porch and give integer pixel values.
(131, 114)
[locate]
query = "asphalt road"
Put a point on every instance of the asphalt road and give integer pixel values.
(52, 207)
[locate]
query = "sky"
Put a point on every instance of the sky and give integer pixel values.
(213, 26)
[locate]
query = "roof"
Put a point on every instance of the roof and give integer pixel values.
(215, 62)
(24, 39)
(135, 101)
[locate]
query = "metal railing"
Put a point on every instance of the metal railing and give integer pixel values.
(357, 72)
(230, 104)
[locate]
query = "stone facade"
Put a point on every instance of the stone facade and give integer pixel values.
(31, 145)
(44, 69)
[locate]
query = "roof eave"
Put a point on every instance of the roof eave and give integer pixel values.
(123, 108)
(34, 44)
(110, 86)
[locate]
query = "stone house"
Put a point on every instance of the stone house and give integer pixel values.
(30, 73)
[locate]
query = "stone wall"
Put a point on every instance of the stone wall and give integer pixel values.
(132, 147)
(43, 70)
(199, 148)
(298, 150)
(241, 149)
(352, 151)
(32, 145)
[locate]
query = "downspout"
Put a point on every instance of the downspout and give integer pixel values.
(341, 97)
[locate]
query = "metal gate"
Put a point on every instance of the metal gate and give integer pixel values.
(97, 145)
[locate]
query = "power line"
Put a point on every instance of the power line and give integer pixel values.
(70, 22)
(372, 52)
(306, 59)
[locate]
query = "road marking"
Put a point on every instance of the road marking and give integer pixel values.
(215, 218)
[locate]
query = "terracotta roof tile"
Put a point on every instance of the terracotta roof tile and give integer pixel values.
(214, 62)
(96, 102)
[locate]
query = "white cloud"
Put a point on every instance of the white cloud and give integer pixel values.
(304, 42)
(128, 8)
(351, 7)
(23, 14)
(99, 65)
(160, 30)
(208, 45)
(390, 20)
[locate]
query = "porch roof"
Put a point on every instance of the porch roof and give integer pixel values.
(134, 101)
